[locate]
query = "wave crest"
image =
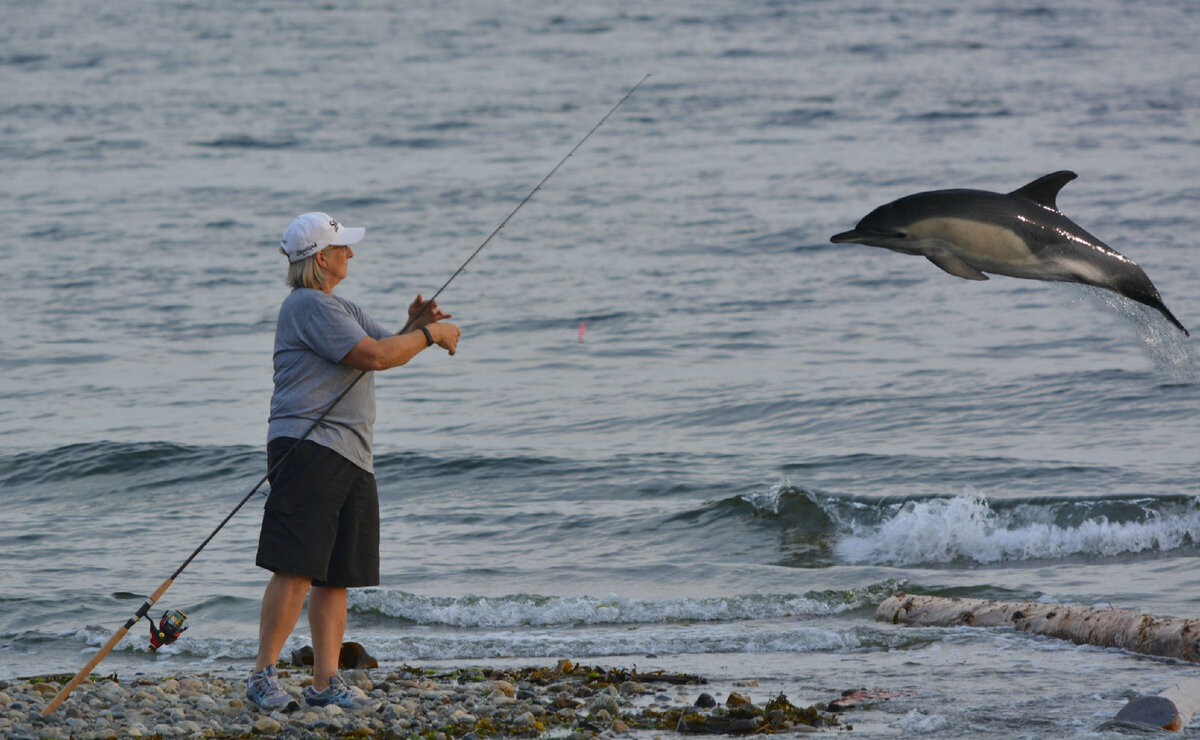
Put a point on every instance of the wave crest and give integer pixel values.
(532, 610)
(968, 528)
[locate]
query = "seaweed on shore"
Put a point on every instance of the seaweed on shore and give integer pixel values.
(738, 717)
(59, 678)
(566, 670)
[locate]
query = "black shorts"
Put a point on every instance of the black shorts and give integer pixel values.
(321, 519)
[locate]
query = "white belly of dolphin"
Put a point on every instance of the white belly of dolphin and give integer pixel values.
(981, 244)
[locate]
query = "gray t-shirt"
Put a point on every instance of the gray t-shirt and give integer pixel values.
(315, 330)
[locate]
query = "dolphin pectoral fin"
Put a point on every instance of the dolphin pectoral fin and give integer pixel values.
(954, 265)
(1044, 190)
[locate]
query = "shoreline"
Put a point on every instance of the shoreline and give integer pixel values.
(564, 700)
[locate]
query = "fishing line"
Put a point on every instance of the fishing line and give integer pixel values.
(171, 624)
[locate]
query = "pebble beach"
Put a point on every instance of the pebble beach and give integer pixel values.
(565, 700)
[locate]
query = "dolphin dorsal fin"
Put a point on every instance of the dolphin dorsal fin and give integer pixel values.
(1045, 189)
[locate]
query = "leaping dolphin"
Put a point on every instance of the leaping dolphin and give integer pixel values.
(1021, 234)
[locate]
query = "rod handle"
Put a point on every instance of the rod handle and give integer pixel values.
(104, 651)
(87, 669)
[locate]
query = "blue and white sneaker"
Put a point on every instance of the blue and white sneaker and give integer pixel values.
(264, 691)
(340, 694)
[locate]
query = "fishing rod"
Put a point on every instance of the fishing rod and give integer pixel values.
(173, 622)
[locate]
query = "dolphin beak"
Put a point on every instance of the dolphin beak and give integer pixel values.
(865, 236)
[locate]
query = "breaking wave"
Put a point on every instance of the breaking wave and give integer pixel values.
(968, 527)
(532, 610)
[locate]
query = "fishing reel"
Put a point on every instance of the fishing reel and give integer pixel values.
(169, 628)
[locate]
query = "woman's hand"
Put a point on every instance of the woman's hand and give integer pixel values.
(445, 336)
(423, 313)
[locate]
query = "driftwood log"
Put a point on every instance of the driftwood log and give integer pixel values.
(1083, 625)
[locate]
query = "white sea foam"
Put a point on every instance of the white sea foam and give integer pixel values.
(423, 643)
(917, 722)
(535, 610)
(967, 528)
(646, 640)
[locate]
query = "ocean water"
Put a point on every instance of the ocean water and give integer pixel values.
(683, 430)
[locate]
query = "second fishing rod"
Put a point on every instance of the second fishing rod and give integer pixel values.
(173, 622)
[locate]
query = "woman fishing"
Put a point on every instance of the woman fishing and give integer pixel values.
(320, 528)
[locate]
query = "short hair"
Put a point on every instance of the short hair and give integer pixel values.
(305, 273)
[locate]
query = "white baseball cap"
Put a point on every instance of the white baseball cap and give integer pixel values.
(312, 232)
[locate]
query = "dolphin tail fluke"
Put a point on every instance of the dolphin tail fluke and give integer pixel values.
(1135, 285)
(1153, 300)
(1170, 317)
